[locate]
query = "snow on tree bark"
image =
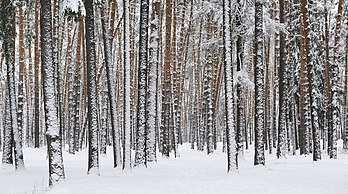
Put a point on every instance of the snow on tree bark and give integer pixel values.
(312, 74)
(111, 86)
(334, 74)
(207, 127)
(305, 126)
(259, 85)
(282, 146)
(21, 70)
(127, 89)
(92, 114)
(103, 118)
(8, 39)
(70, 88)
(1, 115)
(240, 117)
(7, 155)
(53, 134)
(36, 80)
(152, 81)
(140, 149)
(77, 86)
(166, 88)
(232, 154)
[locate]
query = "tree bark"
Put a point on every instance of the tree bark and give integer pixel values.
(53, 135)
(141, 147)
(232, 153)
(259, 85)
(92, 114)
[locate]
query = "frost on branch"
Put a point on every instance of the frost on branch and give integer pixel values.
(242, 78)
(74, 9)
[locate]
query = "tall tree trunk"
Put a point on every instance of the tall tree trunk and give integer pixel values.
(327, 78)
(9, 34)
(334, 74)
(305, 126)
(259, 85)
(312, 83)
(141, 147)
(36, 79)
(152, 88)
(92, 114)
(232, 154)
(282, 146)
(240, 120)
(21, 70)
(77, 85)
(166, 86)
(127, 88)
(111, 85)
(345, 134)
(53, 135)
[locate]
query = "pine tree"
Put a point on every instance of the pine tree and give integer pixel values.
(93, 154)
(21, 63)
(53, 134)
(240, 117)
(232, 154)
(259, 85)
(305, 126)
(8, 43)
(140, 150)
(127, 93)
(152, 88)
(334, 74)
(166, 86)
(36, 79)
(314, 59)
(7, 154)
(282, 146)
(111, 84)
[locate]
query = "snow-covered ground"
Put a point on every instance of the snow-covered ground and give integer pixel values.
(194, 172)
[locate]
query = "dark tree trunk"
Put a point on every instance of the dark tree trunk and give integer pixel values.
(92, 114)
(259, 85)
(140, 150)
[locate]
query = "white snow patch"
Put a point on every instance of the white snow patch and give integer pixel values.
(76, 6)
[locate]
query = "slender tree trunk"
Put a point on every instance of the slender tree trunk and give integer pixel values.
(232, 153)
(21, 70)
(259, 85)
(334, 98)
(77, 85)
(141, 147)
(282, 146)
(92, 114)
(127, 88)
(312, 85)
(240, 102)
(9, 31)
(304, 82)
(7, 154)
(166, 86)
(53, 135)
(152, 88)
(345, 138)
(111, 86)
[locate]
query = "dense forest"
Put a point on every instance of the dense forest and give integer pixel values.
(145, 76)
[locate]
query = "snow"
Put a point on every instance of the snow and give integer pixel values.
(194, 172)
(76, 6)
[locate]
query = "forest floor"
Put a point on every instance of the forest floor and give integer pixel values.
(193, 173)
